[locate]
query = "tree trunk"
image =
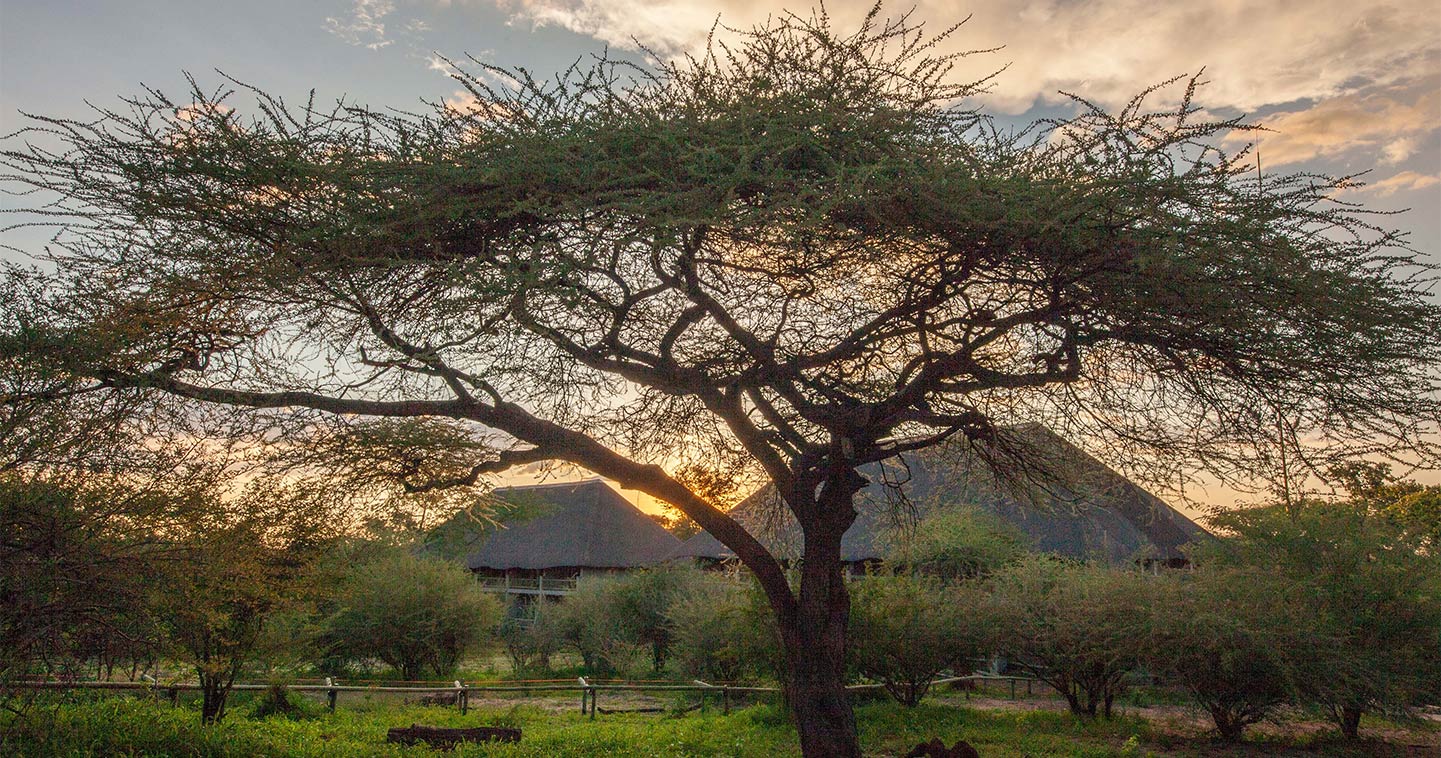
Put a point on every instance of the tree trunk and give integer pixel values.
(213, 693)
(815, 686)
(1231, 727)
(1349, 719)
(814, 635)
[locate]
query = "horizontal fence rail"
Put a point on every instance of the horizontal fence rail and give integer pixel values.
(589, 690)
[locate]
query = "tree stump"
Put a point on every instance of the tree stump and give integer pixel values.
(937, 749)
(444, 738)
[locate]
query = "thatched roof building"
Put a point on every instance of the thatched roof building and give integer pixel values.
(1070, 504)
(547, 535)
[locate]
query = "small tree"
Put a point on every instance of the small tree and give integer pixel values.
(589, 621)
(906, 630)
(530, 634)
(415, 613)
(214, 602)
(1231, 637)
(645, 599)
(723, 631)
(1365, 576)
(957, 542)
(73, 564)
(1078, 627)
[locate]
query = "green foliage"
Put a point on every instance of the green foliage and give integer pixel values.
(588, 622)
(280, 702)
(724, 632)
(1232, 638)
(237, 569)
(73, 592)
(415, 613)
(611, 620)
(1369, 582)
(1079, 627)
(644, 599)
(957, 542)
(906, 630)
(531, 634)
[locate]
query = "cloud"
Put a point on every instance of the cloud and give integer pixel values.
(1404, 181)
(1391, 121)
(1256, 52)
(366, 24)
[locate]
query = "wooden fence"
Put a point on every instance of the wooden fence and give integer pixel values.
(590, 691)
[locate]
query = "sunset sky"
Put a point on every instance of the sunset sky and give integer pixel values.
(1347, 86)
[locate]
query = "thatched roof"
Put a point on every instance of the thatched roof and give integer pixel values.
(1072, 505)
(584, 524)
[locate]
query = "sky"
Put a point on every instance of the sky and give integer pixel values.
(1345, 86)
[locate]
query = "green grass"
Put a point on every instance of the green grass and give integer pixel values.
(119, 726)
(134, 727)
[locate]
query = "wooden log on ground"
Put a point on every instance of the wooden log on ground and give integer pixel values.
(445, 738)
(937, 749)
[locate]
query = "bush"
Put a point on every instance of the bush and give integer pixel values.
(1369, 582)
(905, 630)
(414, 613)
(1080, 628)
(957, 542)
(278, 701)
(1230, 637)
(530, 636)
(588, 621)
(723, 631)
(641, 602)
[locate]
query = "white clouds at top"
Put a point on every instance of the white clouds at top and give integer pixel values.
(1256, 52)
(365, 25)
(1393, 123)
(1406, 180)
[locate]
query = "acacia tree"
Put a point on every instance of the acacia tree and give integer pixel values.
(1080, 628)
(1366, 581)
(790, 256)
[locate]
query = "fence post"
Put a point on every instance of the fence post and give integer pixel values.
(460, 698)
(330, 694)
(726, 699)
(1013, 688)
(706, 687)
(174, 697)
(583, 694)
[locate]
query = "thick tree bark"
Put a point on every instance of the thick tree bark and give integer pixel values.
(814, 642)
(813, 634)
(1348, 717)
(214, 691)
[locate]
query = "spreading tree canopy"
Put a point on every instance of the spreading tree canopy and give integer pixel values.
(787, 257)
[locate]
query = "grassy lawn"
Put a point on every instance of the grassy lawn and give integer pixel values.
(116, 726)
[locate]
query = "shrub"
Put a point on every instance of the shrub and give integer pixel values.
(1370, 583)
(588, 621)
(413, 613)
(641, 601)
(957, 542)
(1230, 637)
(1080, 628)
(905, 630)
(723, 631)
(529, 636)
